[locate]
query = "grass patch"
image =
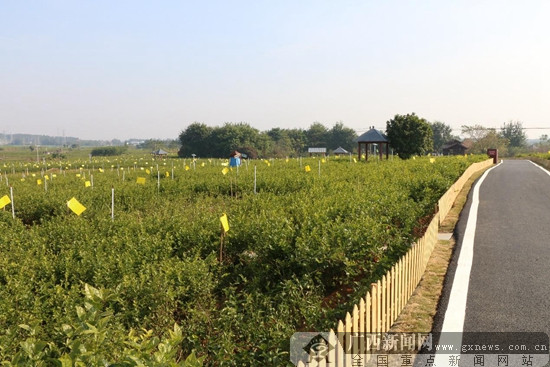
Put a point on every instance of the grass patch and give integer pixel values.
(418, 314)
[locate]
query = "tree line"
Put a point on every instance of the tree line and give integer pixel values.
(409, 135)
(207, 141)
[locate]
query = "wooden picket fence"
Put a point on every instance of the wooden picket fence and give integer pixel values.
(447, 200)
(378, 310)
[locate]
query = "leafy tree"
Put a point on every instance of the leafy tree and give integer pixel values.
(474, 132)
(298, 140)
(341, 136)
(317, 135)
(513, 131)
(195, 140)
(237, 136)
(281, 142)
(484, 138)
(409, 135)
(442, 133)
(108, 151)
(492, 139)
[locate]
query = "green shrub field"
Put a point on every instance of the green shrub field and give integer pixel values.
(148, 288)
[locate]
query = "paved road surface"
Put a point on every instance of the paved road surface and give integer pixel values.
(509, 286)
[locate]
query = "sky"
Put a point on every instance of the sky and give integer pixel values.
(124, 69)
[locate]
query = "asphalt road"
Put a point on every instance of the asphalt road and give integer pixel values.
(509, 285)
(510, 278)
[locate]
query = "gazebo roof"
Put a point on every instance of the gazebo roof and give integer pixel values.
(160, 152)
(340, 150)
(372, 136)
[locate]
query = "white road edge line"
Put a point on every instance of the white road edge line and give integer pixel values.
(541, 167)
(453, 322)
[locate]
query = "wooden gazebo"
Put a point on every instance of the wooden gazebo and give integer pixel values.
(373, 136)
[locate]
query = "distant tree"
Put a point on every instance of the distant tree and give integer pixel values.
(281, 143)
(196, 139)
(108, 151)
(341, 136)
(409, 135)
(442, 133)
(298, 141)
(484, 138)
(232, 136)
(474, 132)
(317, 135)
(492, 139)
(513, 131)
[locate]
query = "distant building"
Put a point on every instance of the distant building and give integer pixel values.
(454, 147)
(135, 142)
(160, 152)
(314, 151)
(340, 151)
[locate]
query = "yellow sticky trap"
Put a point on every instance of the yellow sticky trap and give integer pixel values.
(141, 180)
(432, 160)
(203, 164)
(147, 171)
(46, 177)
(78, 175)
(323, 160)
(187, 168)
(39, 182)
(87, 184)
(75, 206)
(308, 168)
(167, 174)
(101, 170)
(5, 200)
(225, 171)
(224, 222)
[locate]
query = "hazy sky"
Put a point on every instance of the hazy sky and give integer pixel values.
(147, 69)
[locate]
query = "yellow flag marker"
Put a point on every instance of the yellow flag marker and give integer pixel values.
(286, 160)
(147, 171)
(22, 180)
(141, 180)
(167, 174)
(354, 160)
(78, 175)
(308, 168)
(187, 168)
(39, 182)
(33, 175)
(75, 206)
(225, 223)
(46, 177)
(87, 184)
(432, 160)
(203, 164)
(225, 171)
(54, 175)
(101, 170)
(323, 160)
(5, 200)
